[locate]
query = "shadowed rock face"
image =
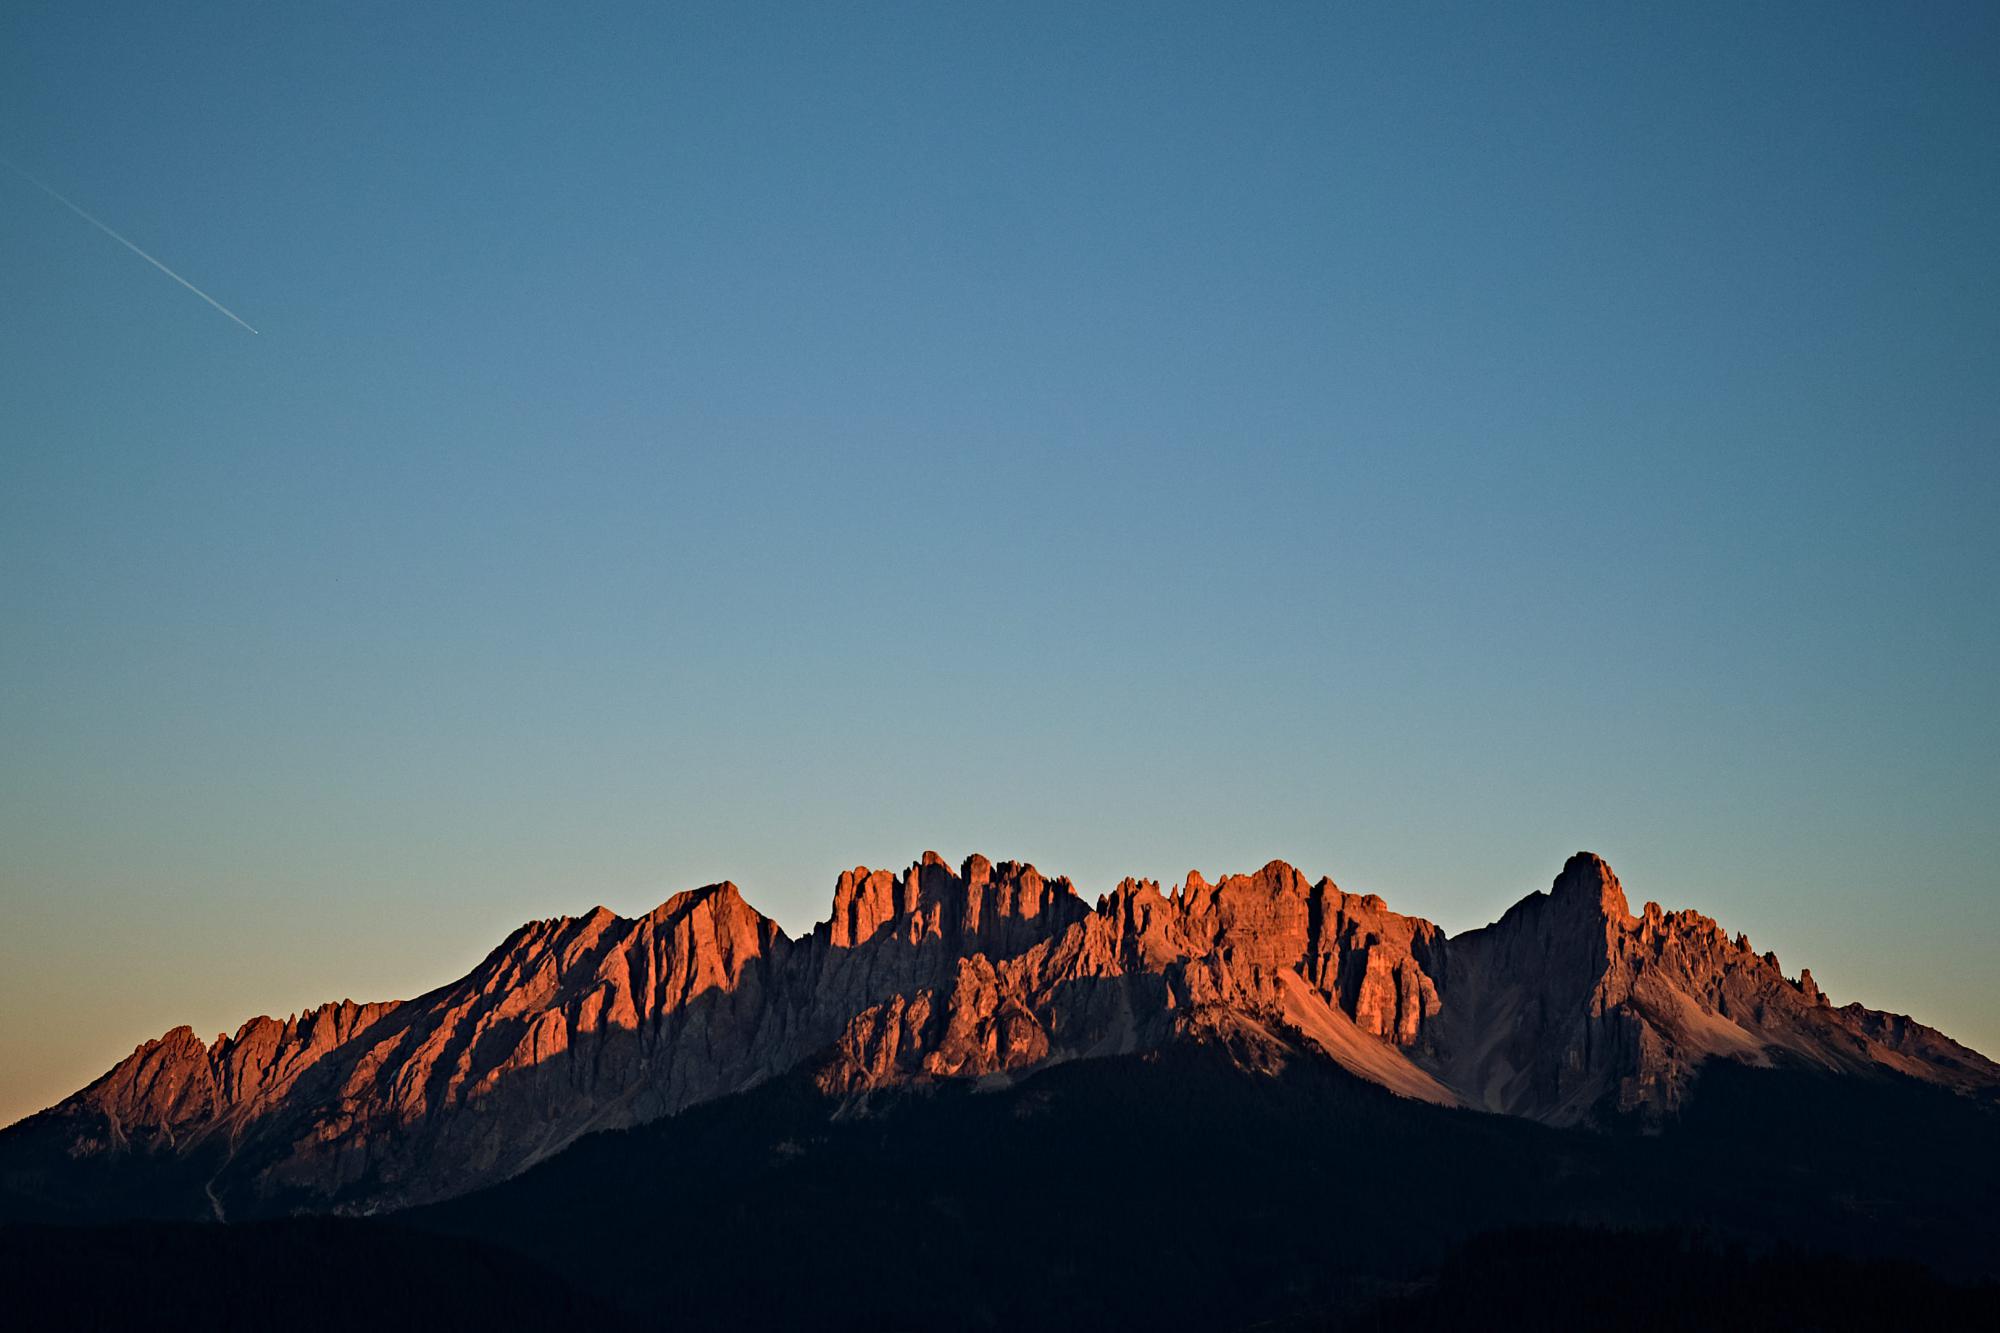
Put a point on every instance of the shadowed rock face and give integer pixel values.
(1568, 1009)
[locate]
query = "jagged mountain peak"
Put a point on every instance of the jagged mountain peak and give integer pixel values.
(1588, 883)
(980, 907)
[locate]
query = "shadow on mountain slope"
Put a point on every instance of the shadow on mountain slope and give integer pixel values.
(1170, 1189)
(1175, 1189)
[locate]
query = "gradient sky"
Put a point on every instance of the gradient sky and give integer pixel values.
(703, 441)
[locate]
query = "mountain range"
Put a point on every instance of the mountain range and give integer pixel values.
(1571, 1011)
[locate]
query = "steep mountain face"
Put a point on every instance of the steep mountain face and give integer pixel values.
(569, 1025)
(1255, 953)
(1568, 1009)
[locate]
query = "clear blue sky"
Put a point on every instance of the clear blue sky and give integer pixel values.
(691, 441)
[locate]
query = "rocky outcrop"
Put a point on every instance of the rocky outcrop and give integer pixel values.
(1569, 1008)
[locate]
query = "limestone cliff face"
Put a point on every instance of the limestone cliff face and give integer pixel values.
(570, 1025)
(1143, 967)
(176, 1084)
(1569, 1008)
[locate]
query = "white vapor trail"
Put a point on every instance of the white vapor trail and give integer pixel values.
(51, 193)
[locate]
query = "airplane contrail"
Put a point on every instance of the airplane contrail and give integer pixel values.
(51, 193)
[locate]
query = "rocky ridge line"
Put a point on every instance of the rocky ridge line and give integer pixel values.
(1568, 1009)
